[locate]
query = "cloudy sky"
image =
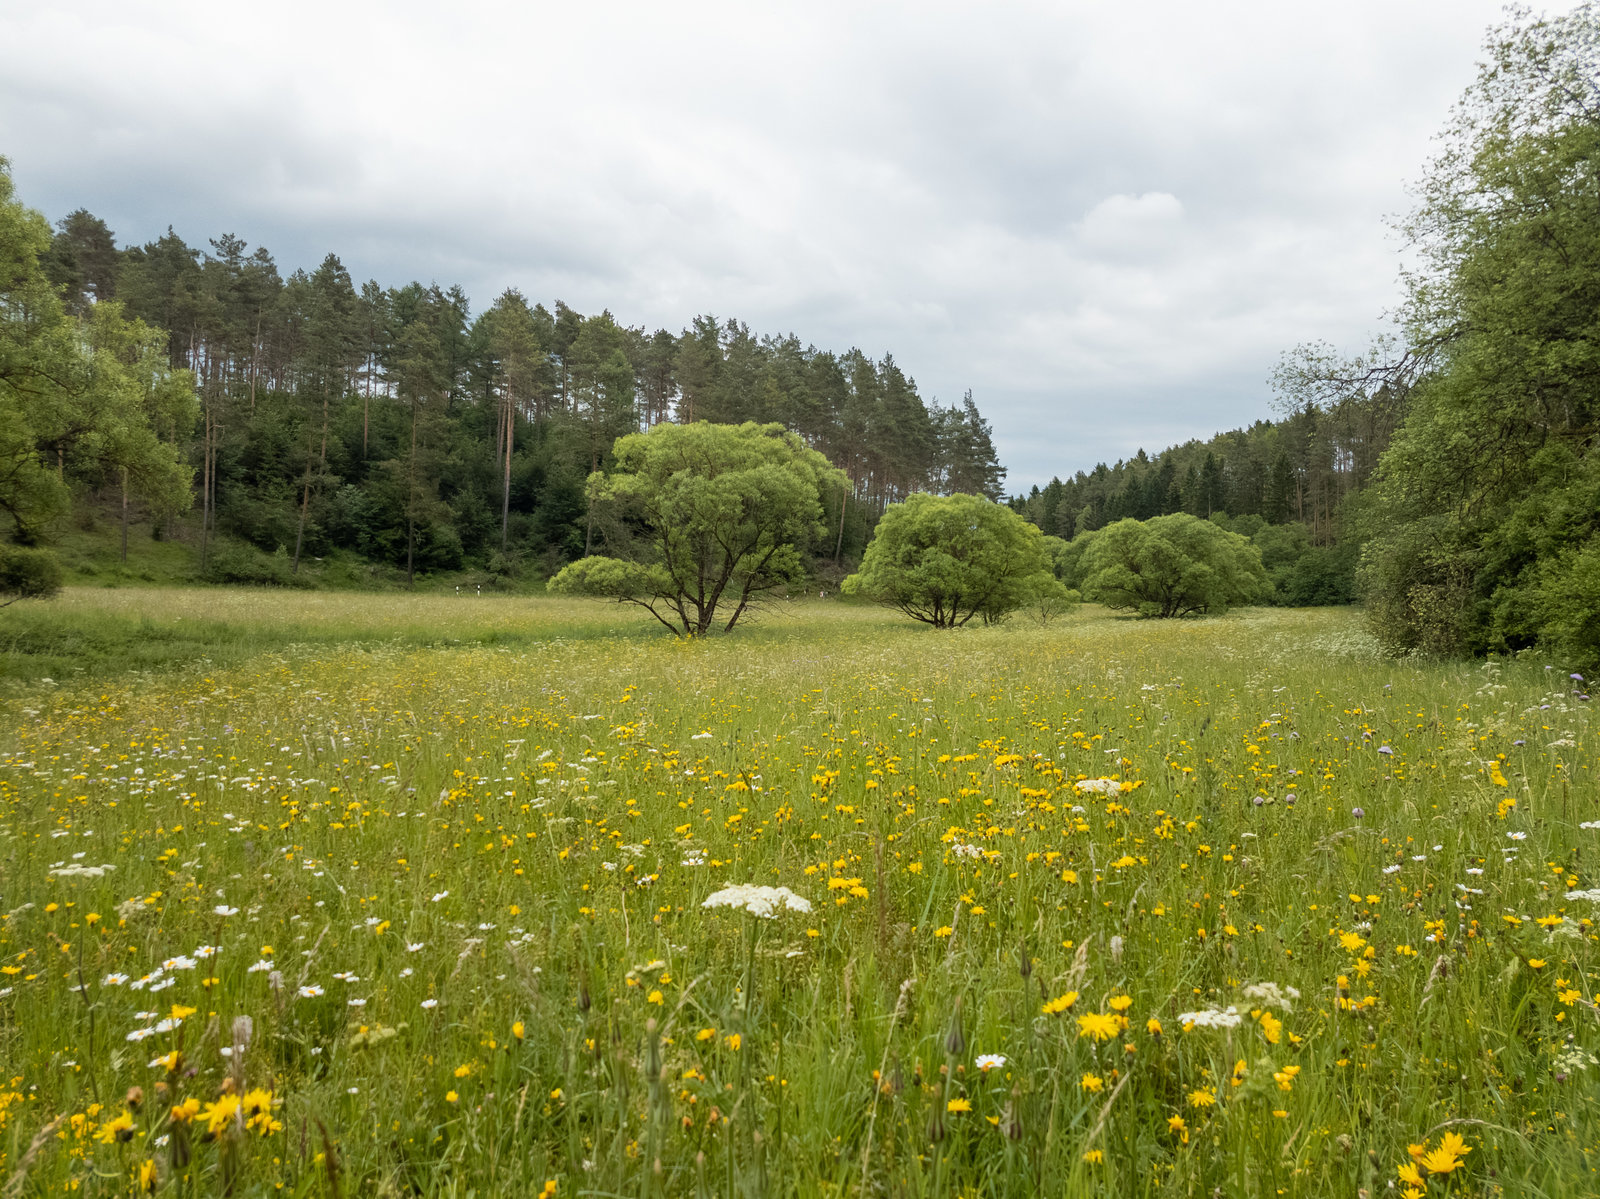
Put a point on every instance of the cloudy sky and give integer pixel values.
(1106, 220)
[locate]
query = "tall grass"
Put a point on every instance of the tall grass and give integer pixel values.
(457, 890)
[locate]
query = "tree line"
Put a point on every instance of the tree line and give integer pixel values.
(395, 424)
(1449, 476)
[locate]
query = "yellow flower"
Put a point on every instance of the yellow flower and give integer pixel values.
(1097, 1025)
(943, 930)
(1271, 1028)
(1536, 963)
(549, 1189)
(958, 1105)
(733, 1040)
(1285, 1077)
(654, 997)
(1092, 1083)
(1410, 1175)
(1121, 1003)
(179, 1012)
(1094, 1157)
(1153, 1027)
(217, 1115)
(1202, 1099)
(183, 1112)
(451, 1097)
(1447, 1156)
(1060, 1004)
(1176, 1123)
(517, 1030)
(120, 1129)
(463, 1071)
(149, 1179)
(705, 1034)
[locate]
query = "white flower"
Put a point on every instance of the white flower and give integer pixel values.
(356, 1002)
(758, 901)
(1100, 786)
(1474, 870)
(1211, 1018)
(260, 966)
(1590, 824)
(1517, 836)
(991, 1061)
(430, 1004)
(1592, 895)
(962, 850)
(170, 1023)
(407, 972)
(226, 1050)
(415, 946)
(700, 737)
(1394, 869)
(178, 963)
(310, 991)
(1271, 995)
(140, 1034)
(205, 951)
(440, 895)
(223, 909)
(162, 985)
(113, 980)
(345, 976)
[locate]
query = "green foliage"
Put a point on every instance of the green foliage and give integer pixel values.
(85, 397)
(703, 517)
(1484, 522)
(1174, 565)
(28, 573)
(945, 559)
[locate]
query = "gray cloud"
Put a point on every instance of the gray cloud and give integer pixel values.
(1106, 221)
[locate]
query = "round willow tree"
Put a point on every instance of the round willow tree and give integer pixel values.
(702, 518)
(943, 559)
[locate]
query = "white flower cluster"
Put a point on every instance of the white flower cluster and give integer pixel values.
(1211, 1018)
(1100, 786)
(758, 901)
(78, 870)
(1269, 994)
(1592, 895)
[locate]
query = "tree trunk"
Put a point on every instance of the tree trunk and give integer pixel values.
(844, 500)
(505, 481)
(124, 515)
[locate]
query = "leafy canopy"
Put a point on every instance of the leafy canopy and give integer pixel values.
(945, 559)
(1484, 523)
(80, 396)
(701, 518)
(1176, 565)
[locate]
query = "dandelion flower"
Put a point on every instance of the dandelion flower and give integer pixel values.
(1099, 1025)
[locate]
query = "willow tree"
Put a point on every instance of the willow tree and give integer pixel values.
(703, 520)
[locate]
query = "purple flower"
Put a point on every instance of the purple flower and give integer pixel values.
(1576, 678)
(1258, 801)
(1358, 813)
(1384, 749)
(1519, 743)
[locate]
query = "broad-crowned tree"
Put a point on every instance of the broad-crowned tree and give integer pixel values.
(1174, 565)
(943, 559)
(701, 519)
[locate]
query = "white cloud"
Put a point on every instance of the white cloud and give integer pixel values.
(1105, 220)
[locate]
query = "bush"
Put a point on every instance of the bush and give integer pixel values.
(28, 574)
(1174, 565)
(943, 559)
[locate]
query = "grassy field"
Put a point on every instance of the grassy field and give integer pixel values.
(396, 896)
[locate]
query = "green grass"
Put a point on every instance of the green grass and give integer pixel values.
(521, 790)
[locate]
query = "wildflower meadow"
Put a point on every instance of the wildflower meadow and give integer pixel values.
(535, 900)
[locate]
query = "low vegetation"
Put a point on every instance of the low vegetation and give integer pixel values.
(834, 904)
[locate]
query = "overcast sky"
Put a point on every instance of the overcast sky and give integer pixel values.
(1106, 220)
